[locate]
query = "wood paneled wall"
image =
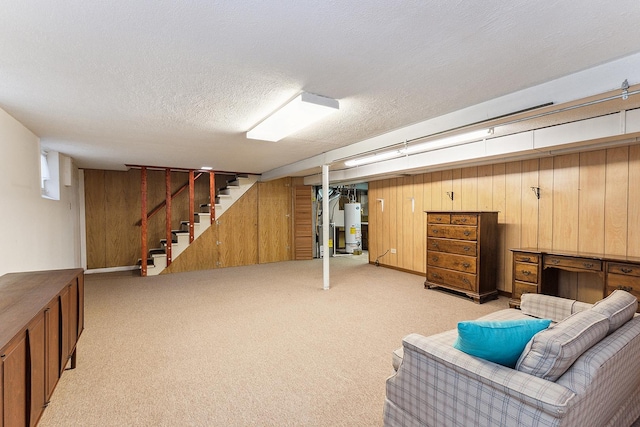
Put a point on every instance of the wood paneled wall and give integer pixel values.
(588, 202)
(112, 206)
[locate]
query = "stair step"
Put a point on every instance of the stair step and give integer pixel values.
(164, 241)
(150, 262)
(156, 251)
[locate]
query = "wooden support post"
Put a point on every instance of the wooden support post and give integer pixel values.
(168, 197)
(143, 237)
(212, 195)
(191, 204)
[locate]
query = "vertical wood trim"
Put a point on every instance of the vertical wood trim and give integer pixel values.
(447, 187)
(419, 220)
(469, 189)
(191, 205)
(393, 220)
(499, 204)
(437, 191)
(513, 214)
(485, 185)
(566, 181)
(530, 203)
(591, 197)
(167, 186)
(374, 223)
(212, 196)
(545, 204)
(384, 215)
(456, 187)
(616, 201)
(143, 216)
(633, 239)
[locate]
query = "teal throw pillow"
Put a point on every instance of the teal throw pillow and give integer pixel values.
(499, 341)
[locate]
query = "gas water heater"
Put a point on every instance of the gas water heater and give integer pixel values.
(352, 227)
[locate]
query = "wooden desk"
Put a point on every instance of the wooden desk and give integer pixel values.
(535, 271)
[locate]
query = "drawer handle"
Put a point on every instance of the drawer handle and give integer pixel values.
(526, 273)
(436, 276)
(435, 245)
(435, 231)
(466, 265)
(587, 264)
(467, 233)
(527, 259)
(466, 248)
(463, 219)
(466, 281)
(555, 261)
(434, 258)
(626, 270)
(625, 288)
(438, 218)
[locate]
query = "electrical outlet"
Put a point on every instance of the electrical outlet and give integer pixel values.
(393, 251)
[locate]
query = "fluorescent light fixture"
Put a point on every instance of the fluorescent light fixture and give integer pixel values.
(421, 148)
(448, 141)
(206, 168)
(373, 158)
(300, 112)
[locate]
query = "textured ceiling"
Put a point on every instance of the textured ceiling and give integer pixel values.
(178, 84)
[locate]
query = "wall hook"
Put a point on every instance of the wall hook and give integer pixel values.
(381, 204)
(450, 194)
(536, 191)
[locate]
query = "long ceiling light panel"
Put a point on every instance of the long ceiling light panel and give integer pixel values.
(299, 113)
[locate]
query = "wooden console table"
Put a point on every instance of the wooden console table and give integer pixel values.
(41, 319)
(535, 271)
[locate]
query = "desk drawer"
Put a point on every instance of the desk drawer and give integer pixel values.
(524, 257)
(520, 288)
(438, 218)
(526, 272)
(575, 264)
(460, 232)
(626, 283)
(455, 279)
(461, 219)
(452, 262)
(626, 269)
(452, 246)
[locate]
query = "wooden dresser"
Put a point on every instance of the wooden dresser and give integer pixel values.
(41, 319)
(461, 252)
(535, 271)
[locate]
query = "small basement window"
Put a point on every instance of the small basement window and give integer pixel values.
(50, 175)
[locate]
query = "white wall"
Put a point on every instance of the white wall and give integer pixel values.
(36, 234)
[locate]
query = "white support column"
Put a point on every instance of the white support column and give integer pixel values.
(325, 226)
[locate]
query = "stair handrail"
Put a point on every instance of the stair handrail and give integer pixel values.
(164, 202)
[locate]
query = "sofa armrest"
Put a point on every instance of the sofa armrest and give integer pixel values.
(440, 385)
(550, 307)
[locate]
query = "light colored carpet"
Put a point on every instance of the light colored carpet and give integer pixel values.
(260, 345)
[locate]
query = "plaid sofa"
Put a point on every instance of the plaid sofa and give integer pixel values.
(438, 385)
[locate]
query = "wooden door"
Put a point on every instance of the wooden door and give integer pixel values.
(64, 330)
(303, 222)
(274, 220)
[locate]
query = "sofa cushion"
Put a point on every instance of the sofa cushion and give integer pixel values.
(499, 341)
(546, 306)
(619, 307)
(551, 352)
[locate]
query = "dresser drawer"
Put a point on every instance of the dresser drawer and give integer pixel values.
(455, 279)
(452, 246)
(523, 257)
(460, 232)
(520, 288)
(438, 218)
(525, 272)
(626, 269)
(452, 261)
(577, 264)
(462, 219)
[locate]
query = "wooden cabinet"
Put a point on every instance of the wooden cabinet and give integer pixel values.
(461, 252)
(41, 319)
(535, 271)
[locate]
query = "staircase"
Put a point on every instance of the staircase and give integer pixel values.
(225, 197)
